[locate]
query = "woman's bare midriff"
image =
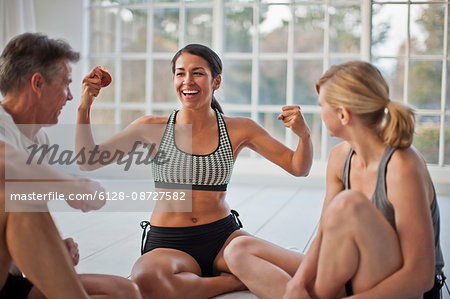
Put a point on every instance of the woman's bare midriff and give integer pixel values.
(206, 207)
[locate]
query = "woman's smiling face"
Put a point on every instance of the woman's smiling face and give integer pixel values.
(193, 81)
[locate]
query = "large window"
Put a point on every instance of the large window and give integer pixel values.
(273, 52)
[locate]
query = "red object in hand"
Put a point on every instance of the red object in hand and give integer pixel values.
(106, 77)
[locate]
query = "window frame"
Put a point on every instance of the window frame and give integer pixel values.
(254, 109)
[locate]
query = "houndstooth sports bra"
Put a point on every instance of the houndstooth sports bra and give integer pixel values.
(203, 172)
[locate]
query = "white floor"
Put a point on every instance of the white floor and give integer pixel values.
(282, 210)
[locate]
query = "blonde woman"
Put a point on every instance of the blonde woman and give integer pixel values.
(379, 230)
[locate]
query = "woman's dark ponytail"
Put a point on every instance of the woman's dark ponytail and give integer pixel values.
(215, 104)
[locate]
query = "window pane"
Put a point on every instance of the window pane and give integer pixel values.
(427, 29)
(162, 1)
(273, 28)
(426, 138)
(274, 1)
(239, 1)
(237, 81)
(393, 72)
(199, 26)
(389, 29)
(272, 124)
(219, 95)
(337, 61)
(345, 29)
(133, 81)
(407, 1)
(391, 1)
(309, 24)
(128, 116)
(103, 30)
(332, 142)
(198, 0)
(425, 84)
(102, 2)
(134, 26)
(245, 152)
(166, 25)
(163, 90)
(102, 116)
(315, 125)
(447, 141)
(306, 75)
(272, 85)
(447, 103)
(134, 1)
(161, 112)
(238, 26)
(238, 114)
(106, 94)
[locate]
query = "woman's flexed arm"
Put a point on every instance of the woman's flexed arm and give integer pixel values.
(296, 162)
(83, 137)
(138, 134)
(302, 157)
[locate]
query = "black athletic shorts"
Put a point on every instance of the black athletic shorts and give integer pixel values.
(16, 287)
(434, 293)
(202, 242)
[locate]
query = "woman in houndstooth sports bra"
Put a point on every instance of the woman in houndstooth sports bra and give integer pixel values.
(182, 256)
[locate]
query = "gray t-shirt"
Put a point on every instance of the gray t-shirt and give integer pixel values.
(11, 134)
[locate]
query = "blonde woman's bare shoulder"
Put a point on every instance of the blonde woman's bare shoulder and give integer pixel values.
(407, 170)
(407, 161)
(151, 120)
(334, 167)
(336, 158)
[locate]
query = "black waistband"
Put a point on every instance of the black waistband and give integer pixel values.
(165, 185)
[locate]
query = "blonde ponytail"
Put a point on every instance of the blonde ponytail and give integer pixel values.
(360, 87)
(398, 127)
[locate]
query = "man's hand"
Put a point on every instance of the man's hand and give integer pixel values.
(72, 247)
(91, 190)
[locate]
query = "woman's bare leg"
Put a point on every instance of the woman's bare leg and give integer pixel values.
(109, 286)
(263, 267)
(357, 244)
(170, 273)
(101, 286)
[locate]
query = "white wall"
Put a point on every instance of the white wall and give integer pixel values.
(64, 19)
